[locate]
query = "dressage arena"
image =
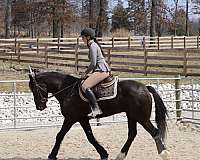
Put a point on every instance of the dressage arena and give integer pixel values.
(183, 142)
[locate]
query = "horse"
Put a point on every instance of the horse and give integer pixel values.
(133, 98)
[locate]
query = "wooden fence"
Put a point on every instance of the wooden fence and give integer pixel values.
(144, 55)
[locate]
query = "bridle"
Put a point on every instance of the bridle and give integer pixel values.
(39, 88)
(45, 99)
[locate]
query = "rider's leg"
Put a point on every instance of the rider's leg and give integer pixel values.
(90, 82)
(93, 103)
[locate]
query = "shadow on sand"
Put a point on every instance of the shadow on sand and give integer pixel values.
(18, 158)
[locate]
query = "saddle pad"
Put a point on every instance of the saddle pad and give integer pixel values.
(102, 92)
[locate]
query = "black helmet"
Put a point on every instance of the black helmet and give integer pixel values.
(88, 32)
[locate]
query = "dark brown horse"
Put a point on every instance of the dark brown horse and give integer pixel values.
(133, 98)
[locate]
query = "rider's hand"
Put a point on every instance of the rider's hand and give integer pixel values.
(83, 76)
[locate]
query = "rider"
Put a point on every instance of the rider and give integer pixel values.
(98, 68)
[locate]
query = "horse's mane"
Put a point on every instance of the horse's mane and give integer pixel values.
(65, 78)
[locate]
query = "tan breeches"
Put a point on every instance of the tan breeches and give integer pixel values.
(94, 79)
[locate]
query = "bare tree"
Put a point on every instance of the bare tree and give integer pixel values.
(175, 17)
(153, 18)
(186, 20)
(196, 11)
(8, 18)
(157, 15)
(102, 20)
(137, 13)
(91, 13)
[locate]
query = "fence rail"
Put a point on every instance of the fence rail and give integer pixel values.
(144, 55)
(17, 110)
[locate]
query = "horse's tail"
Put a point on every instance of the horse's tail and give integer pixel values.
(161, 112)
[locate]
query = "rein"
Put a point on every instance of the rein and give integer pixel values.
(43, 99)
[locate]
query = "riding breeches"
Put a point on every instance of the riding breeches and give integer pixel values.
(94, 79)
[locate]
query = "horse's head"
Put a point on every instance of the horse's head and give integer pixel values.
(39, 90)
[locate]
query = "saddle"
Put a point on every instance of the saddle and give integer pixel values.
(106, 89)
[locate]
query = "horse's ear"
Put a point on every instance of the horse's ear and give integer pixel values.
(30, 77)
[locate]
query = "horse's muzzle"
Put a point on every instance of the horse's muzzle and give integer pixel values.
(42, 107)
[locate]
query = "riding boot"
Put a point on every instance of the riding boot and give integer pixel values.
(93, 103)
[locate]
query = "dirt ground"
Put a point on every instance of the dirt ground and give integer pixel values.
(183, 142)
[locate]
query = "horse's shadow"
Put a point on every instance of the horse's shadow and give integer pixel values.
(18, 158)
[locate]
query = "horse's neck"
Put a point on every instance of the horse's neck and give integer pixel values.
(57, 85)
(53, 87)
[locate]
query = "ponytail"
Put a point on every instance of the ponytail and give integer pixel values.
(95, 40)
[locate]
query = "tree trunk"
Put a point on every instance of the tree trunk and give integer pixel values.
(199, 26)
(99, 25)
(144, 25)
(62, 29)
(31, 19)
(175, 17)
(153, 18)
(186, 23)
(55, 24)
(55, 28)
(8, 18)
(90, 18)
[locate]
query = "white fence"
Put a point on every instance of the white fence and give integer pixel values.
(17, 109)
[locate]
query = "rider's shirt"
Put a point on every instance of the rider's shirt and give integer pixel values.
(97, 60)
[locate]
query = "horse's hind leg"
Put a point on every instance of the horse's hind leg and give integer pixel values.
(65, 128)
(88, 131)
(132, 132)
(154, 132)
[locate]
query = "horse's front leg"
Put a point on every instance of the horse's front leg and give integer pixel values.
(67, 124)
(88, 131)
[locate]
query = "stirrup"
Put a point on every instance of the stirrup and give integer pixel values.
(94, 113)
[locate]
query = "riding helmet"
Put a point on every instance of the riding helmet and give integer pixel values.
(88, 32)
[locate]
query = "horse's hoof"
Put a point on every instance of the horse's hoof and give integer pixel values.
(165, 155)
(121, 156)
(52, 158)
(104, 158)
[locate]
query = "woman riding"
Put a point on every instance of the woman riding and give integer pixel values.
(98, 68)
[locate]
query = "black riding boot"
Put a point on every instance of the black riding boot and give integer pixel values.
(93, 103)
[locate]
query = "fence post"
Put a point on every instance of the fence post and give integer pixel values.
(145, 55)
(145, 62)
(76, 55)
(109, 57)
(98, 122)
(18, 52)
(192, 98)
(158, 42)
(15, 113)
(143, 43)
(37, 45)
(58, 45)
(172, 42)
(46, 56)
(184, 42)
(113, 41)
(178, 97)
(15, 45)
(129, 42)
(185, 63)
